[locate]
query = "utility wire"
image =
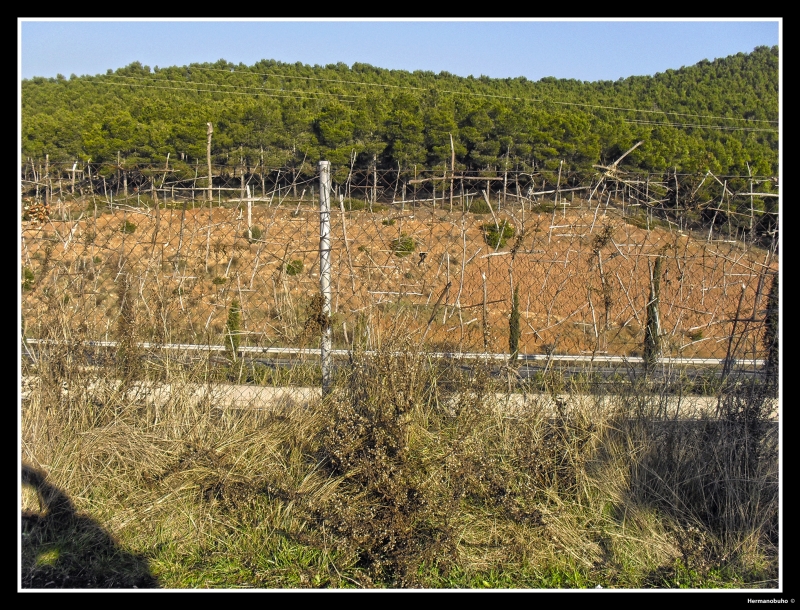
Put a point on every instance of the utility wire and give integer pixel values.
(697, 126)
(198, 90)
(488, 95)
(309, 94)
(258, 89)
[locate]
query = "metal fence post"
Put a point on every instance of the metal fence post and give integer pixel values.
(325, 269)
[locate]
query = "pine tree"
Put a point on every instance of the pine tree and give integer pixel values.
(513, 327)
(232, 328)
(652, 338)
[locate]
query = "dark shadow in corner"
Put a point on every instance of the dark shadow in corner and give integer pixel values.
(61, 549)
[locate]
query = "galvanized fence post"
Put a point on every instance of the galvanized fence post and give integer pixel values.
(325, 269)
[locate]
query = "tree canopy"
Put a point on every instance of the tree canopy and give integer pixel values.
(720, 116)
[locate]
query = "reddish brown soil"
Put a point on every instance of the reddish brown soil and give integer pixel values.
(579, 293)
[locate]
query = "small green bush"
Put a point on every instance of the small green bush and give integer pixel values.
(639, 223)
(218, 281)
(27, 279)
(388, 222)
(479, 206)
(294, 267)
(232, 330)
(403, 245)
(496, 236)
(695, 335)
(354, 205)
(128, 227)
(254, 234)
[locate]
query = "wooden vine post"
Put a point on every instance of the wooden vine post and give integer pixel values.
(47, 193)
(452, 169)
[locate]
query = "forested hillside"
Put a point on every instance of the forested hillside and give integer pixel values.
(720, 116)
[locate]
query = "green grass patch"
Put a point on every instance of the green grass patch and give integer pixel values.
(254, 234)
(403, 245)
(479, 206)
(695, 335)
(128, 227)
(357, 205)
(497, 235)
(294, 267)
(27, 278)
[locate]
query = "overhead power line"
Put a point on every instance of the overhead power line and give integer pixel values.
(257, 89)
(696, 126)
(309, 95)
(296, 94)
(488, 95)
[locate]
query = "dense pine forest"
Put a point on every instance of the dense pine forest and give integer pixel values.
(719, 116)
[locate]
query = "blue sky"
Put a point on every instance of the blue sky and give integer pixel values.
(587, 50)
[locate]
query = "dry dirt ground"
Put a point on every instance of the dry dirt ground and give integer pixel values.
(583, 276)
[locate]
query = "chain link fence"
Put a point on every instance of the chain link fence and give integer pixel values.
(143, 264)
(448, 262)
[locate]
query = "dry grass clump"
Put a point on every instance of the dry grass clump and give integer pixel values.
(156, 480)
(434, 473)
(409, 473)
(708, 485)
(391, 511)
